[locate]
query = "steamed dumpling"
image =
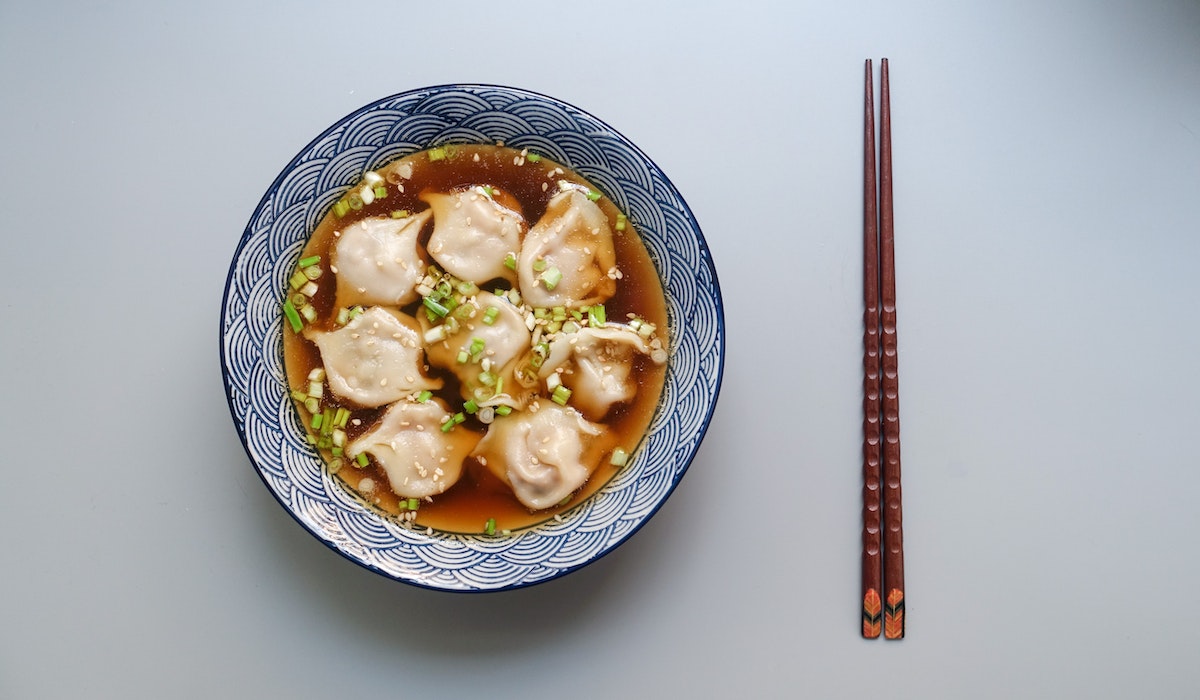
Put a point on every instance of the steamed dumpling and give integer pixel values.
(568, 256)
(378, 261)
(544, 453)
(408, 443)
(598, 366)
(374, 359)
(473, 234)
(504, 341)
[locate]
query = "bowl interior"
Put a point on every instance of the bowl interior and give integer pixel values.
(252, 331)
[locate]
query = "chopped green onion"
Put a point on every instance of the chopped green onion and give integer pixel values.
(490, 527)
(470, 406)
(621, 222)
(503, 410)
(380, 192)
(570, 327)
(343, 316)
(413, 503)
(341, 208)
(400, 214)
(309, 261)
(327, 422)
(313, 405)
(510, 261)
(533, 157)
(593, 195)
(335, 465)
(324, 442)
(489, 316)
(310, 440)
(560, 313)
(463, 356)
(449, 424)
(561, 395)
(487, 379)
(477, 346)
(337, 451)
(316, 389)
(298, 279)
(313, 272)
(539, 264)
(317, 374)
(553, 326)
(458, 418)
(356, 202)
(339, 437)
(424, 396)
(435, 309)
(436, 154)
(514, 295)
(341, 417)
(293, 318)
(488, 190)
(596, 315)
(361, 459)
(298, 395)
(467, 288)
(355, 312)
(541, 313)
(619, 458)
(308, 312)
(309, 289)
(316, 420)
(551, 278)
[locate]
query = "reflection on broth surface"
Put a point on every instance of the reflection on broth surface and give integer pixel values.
(475, 339)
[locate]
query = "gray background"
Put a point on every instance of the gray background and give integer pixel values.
(1047, 161)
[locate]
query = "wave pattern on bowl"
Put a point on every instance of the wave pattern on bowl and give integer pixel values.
(251, 332)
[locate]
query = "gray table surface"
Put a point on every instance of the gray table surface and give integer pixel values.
(1047, 161)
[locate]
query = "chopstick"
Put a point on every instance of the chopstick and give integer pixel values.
(872, 558)
(886, 410)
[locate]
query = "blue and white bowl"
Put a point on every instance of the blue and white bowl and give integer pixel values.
(252, 335)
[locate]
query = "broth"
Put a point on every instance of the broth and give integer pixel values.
(525, 186)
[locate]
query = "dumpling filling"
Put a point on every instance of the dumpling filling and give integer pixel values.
(374, 359)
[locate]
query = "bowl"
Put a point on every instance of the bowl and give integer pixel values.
(252, 336)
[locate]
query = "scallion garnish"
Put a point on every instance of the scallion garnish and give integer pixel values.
(343, 316)
(621, 222)
(477, 346)
(313, 405)
(436, 154)
(309, 261)
(489, 528)
(596, 315)
(413, 503)
(435, 309)
(619, 458)
(489, 316)
(463, 356)
(593, 195)
(533, 157)
(380, 192)
(503, 410)
(292, 316)
(316, 420)
(510, 261)
(424, 396)
(361, 459)
(308, 312)
(551, 277)
(470, 406)
(400, 214)
(341, 208)
(539, 264)
(355, 201)
(561, 395)
(298, 280)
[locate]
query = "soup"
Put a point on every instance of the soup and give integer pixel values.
(475, 339)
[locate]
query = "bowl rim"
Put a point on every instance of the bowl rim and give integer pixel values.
(702, 247)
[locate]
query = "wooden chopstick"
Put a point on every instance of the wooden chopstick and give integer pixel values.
(893, 526)
(881, 395)
(872, 561)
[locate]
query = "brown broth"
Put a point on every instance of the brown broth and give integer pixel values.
(479, 495)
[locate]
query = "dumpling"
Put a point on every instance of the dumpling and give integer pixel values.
(374, 359)
(597, 366)
(408, 443)
(568, 258)
(473, 234)
(544, 453)
(378, 261)
(500, 344)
